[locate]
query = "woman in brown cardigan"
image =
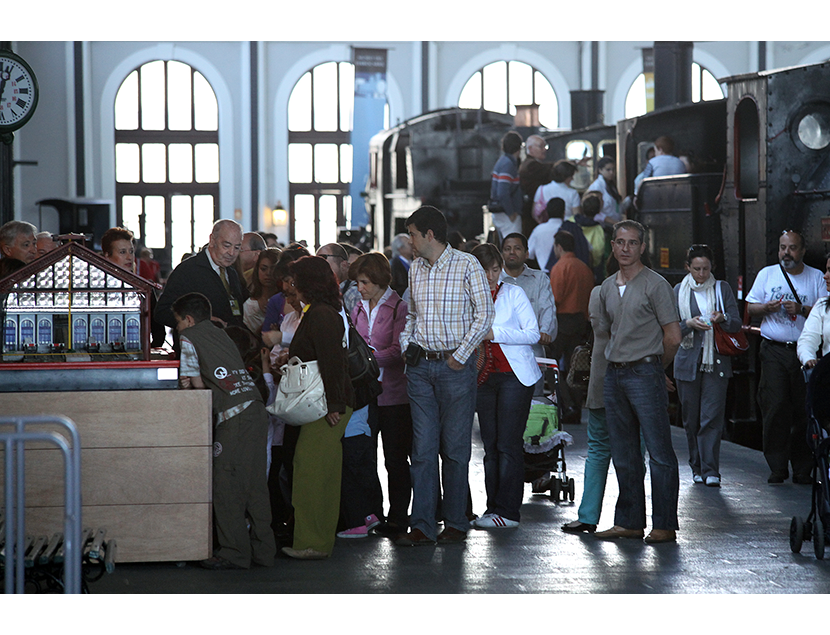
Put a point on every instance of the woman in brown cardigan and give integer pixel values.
(318, 455)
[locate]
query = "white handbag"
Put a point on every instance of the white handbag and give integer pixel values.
(301, 397)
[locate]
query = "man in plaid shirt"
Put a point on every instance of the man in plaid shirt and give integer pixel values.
(450, 312)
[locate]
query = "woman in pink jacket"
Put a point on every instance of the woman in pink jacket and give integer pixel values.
(379, 318)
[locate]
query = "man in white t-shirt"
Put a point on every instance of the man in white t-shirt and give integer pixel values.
(782, 390)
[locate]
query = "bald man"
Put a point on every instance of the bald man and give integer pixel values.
(210, 272)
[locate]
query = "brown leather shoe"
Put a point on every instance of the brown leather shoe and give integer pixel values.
(619, 532)
(450, 535)
(661, 535)
(415, 538)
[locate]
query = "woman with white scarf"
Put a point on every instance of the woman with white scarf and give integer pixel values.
(702, 375)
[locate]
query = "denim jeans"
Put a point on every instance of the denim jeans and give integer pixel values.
(442, 402)
(596, 467)
(503, 404)
(636, 401)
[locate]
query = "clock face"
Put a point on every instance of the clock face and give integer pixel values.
(18, 92)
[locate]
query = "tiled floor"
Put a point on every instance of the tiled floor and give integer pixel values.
(732, 540)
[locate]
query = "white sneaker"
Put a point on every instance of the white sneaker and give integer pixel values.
(713, 481)
(494, 521)
(697, 478)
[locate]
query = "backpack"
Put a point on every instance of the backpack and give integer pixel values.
(363, 368)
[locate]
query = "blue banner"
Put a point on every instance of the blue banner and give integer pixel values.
(369, 104)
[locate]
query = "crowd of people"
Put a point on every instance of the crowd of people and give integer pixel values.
(455, 327)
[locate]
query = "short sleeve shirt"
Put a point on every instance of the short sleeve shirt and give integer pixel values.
(636, 320)
(771, 285)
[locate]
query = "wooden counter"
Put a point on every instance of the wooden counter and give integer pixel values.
(145, 469)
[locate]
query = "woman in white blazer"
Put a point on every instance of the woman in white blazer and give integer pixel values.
(816, 332)
(507, 376)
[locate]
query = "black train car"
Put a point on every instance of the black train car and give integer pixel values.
(676, 210)
(443, 158)
(778, 167)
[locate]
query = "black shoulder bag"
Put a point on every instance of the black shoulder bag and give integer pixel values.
(363, 368)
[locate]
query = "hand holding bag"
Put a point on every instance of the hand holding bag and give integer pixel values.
(730, 344)
(301, 396)
(579, 368)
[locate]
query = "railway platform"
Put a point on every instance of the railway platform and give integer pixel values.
(732, 540)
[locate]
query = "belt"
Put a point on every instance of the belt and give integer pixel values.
(790, 345)
(646, 360)
(433, 355)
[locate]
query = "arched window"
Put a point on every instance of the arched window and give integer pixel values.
(167, 158)
(320, 118)
(501, 86)
(10, 341)
(705, 87)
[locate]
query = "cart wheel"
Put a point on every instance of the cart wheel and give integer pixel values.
(796, 534)
(818, 538)
(571, 490)
(555, 488)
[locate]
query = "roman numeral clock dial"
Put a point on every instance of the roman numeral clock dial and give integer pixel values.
(18, 94)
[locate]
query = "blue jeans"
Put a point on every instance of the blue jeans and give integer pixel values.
(442, 402)
(636, 401)
(596, 467)
(503, 404)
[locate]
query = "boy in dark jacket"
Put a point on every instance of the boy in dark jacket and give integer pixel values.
(209, 359)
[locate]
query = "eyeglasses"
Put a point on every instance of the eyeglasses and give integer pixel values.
(622, 243)
(327, 256)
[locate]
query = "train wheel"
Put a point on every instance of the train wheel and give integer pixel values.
(796, 534)
(818, 538)
(571, 490)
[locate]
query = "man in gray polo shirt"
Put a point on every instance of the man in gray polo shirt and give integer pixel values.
(639, 313)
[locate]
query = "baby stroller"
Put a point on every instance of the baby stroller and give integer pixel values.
(544, 448)
(816, 526)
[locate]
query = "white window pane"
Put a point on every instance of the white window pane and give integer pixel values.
(152, 96)
(179, 98)
(328, 219)
(130, 212)
(204, 104)
(326, 168)
(521, 85)
(207, 163)
(325, 96)
(548, 103)
(182, 227)
(635, 101)
(299, 162)
(154, 222)
(346, 95)
(153, 163)
(126, 162)
(346, 152)
(495, 87)
(181, 162)
(126, 104)
(203, 217)
(471, 93)
(304, 219)
(711, 88)
(299, 105)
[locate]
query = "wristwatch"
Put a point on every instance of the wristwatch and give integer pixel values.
(803, 311)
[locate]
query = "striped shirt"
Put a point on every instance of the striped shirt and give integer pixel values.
(450, 304)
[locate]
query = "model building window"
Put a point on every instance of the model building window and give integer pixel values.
(501, 86)
(167, 158)
(10, 334)
(79, 335)
(44, 332)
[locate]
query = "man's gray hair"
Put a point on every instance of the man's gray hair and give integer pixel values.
(223, 222)
(397, 242)
(630, 225)
(14, 228)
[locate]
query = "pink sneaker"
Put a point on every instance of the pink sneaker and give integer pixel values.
(354, 532)
(371, 522)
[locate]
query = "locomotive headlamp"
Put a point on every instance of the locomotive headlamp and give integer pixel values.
(813, 127)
